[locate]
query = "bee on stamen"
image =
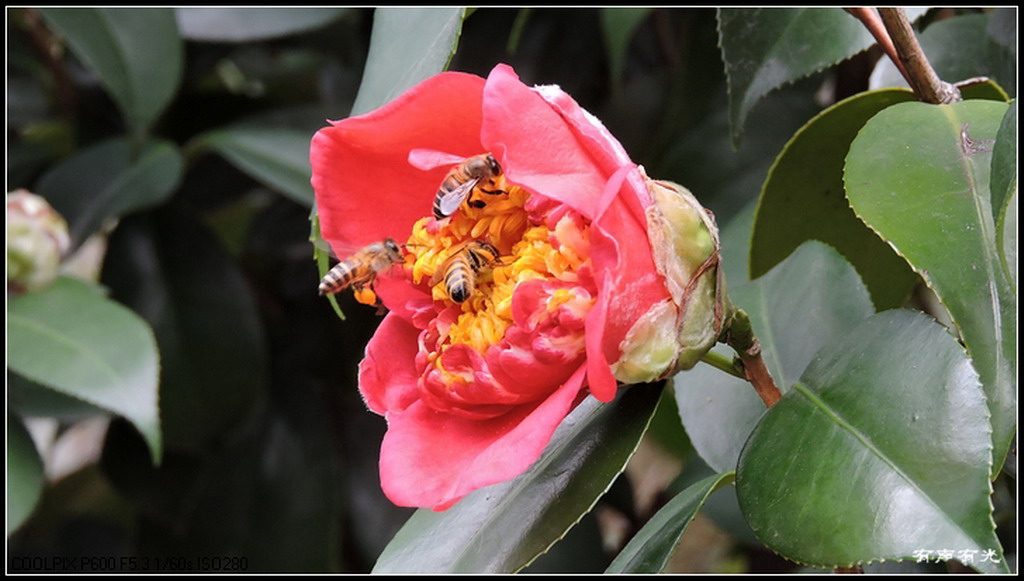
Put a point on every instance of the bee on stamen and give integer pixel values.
(468, 174)
(461, 269)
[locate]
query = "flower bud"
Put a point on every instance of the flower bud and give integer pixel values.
(37, 238)
(674, 334)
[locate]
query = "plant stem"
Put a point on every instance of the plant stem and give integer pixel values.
(740, 336)
(870, 19)
(917, 70)
(723, 363)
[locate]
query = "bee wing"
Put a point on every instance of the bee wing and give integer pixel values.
(454, 199)
(428, 159)
(335, 249)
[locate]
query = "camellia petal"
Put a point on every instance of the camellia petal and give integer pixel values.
(387, 381)
(538, 149)
(434, 459)
(366, 189)
(628, 282)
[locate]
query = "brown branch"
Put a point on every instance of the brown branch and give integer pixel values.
(740, 336)
(870, 19)
(758, 375)
(919, 72)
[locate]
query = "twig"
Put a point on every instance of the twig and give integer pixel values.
(919, 72)
(740, 336)
(724, 363)
(870, 19)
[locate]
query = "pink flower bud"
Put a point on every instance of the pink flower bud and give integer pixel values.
(37, 238)
(674, 334)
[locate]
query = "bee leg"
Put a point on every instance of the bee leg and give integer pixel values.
(359, 289)
(476, 204)
(381, 309)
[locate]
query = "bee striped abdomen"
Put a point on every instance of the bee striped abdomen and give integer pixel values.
(461, 270)
(458, 185)
(344, 274)
(361, 268)
(460, 281)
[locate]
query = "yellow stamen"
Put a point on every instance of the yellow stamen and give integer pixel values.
(526, 252)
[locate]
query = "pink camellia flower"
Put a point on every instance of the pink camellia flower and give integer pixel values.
(571, 301)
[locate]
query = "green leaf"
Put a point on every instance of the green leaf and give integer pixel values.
(809, 299)
(407, 46)
(109, 180)
(735, 238)
(231, 24)
(1004, 162)
(278, 157)
(766, 48)
(73, 340)
(502, 528)
(171, 270)
(24, 474)
(881, 450)
(136, 53)
(653, 545)
(1008, 233)
(619, 25)
(31, 399)
(918, 175)
(959, 48)
(1004, 189)
(803, 199)
(321, 255)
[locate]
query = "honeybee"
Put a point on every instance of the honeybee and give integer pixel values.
(361, 268)
(462, 267)
(461, 180)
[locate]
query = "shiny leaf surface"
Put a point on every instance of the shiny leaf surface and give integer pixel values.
(882, 449)
(136, 53)
(961, 48)
(230, 24)
(407, 46)
(811, 298)
(918, 175)
(277, 157)
(72, 339)
(1004, 191)
(803, 199)
(766, 48)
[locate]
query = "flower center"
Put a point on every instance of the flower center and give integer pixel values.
(498, 242)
